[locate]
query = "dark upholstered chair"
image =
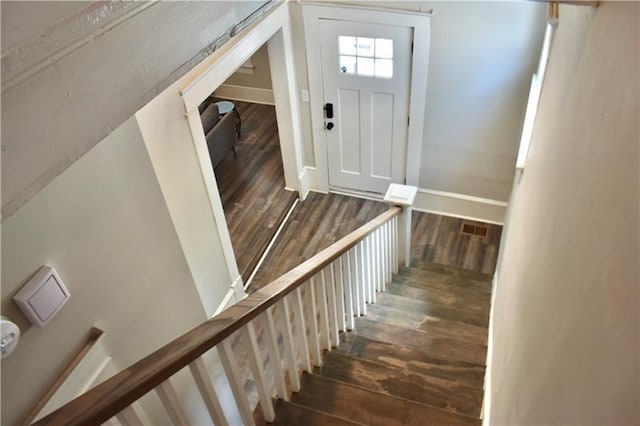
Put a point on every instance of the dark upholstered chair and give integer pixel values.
(220, 133)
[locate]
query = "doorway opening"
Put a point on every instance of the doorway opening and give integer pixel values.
(241, 129)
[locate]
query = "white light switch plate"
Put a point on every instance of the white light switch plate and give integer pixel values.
(42, 296)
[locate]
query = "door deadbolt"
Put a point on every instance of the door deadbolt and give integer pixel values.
(329, 125)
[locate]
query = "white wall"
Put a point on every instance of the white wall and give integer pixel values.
(482, 57)
(261, 75)
(167, 136)
(565, 327)
(68, 86)
(105, 227)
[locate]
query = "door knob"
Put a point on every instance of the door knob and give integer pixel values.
(329, 125)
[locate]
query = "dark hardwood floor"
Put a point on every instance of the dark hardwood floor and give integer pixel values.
(438, 239)
(315, 224)
(322, 219)
(251, 186)
(418, 355)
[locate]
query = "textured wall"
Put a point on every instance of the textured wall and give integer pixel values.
(69, 85)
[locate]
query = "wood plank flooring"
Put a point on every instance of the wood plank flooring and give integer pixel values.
(438, 239)
(322, 219)
(402, 363)
(251, 186)
(315, 224)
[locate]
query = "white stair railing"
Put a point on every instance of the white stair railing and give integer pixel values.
(326, 292)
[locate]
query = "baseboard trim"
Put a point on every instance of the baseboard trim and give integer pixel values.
(245, 94)
(235, 294)
(460, 205)
(308, 181)
(487, 385)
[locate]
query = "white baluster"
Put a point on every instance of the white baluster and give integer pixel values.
(390, 235)
(396, 260)
(128, 417)
(385, 256)
(379, 260)
(325, 338)
(302, 328)
(330, 284)
(388, 253)
(355, 280)
(312, 312)
(255, 362)
(201, 377)
(349, 290)
(171, 403)
(289, 350)
(236, 384)
(370, 269)
(274, 356)
(340, 293)
(362, 283)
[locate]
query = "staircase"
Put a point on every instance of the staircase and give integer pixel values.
(376, 344)
(417, 357)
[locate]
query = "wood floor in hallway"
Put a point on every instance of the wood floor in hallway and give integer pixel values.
(251, 186)
(322, 219)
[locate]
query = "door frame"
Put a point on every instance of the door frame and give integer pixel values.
(275, 30)
(420, 22)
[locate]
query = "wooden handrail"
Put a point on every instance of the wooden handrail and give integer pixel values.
(115, 394)
(92, 338)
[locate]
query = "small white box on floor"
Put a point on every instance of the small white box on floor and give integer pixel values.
(42, 296)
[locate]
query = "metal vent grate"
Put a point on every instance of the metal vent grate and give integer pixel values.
(476, 230)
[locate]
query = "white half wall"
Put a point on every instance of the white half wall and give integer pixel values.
(167, 136)
(566, 324)
(462, 206)
(246, 94)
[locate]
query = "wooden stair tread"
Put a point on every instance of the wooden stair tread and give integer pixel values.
(439, 347)
(431, 324)
(289, 413)
(429, 279)
(441, 297)
(371, 408)
(393, 381)
(433, 309)
(450, 270)
(412, 360)
(417, 356)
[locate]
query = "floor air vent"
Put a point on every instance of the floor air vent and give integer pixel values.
(477, 230)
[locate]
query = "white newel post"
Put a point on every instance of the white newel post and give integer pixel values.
(403, 196)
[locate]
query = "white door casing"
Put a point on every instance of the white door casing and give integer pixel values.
(419, 24)
(366, 76)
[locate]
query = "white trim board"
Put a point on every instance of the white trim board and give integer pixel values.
(254, 95)
(459, 205)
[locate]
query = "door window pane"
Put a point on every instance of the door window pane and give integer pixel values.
(347, 45)
(384, 48)
(365, 47)
(365, 56)
(347, 64)
(384, 68)
(365, 66)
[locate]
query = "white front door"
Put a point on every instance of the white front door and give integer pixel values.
(366, 70)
